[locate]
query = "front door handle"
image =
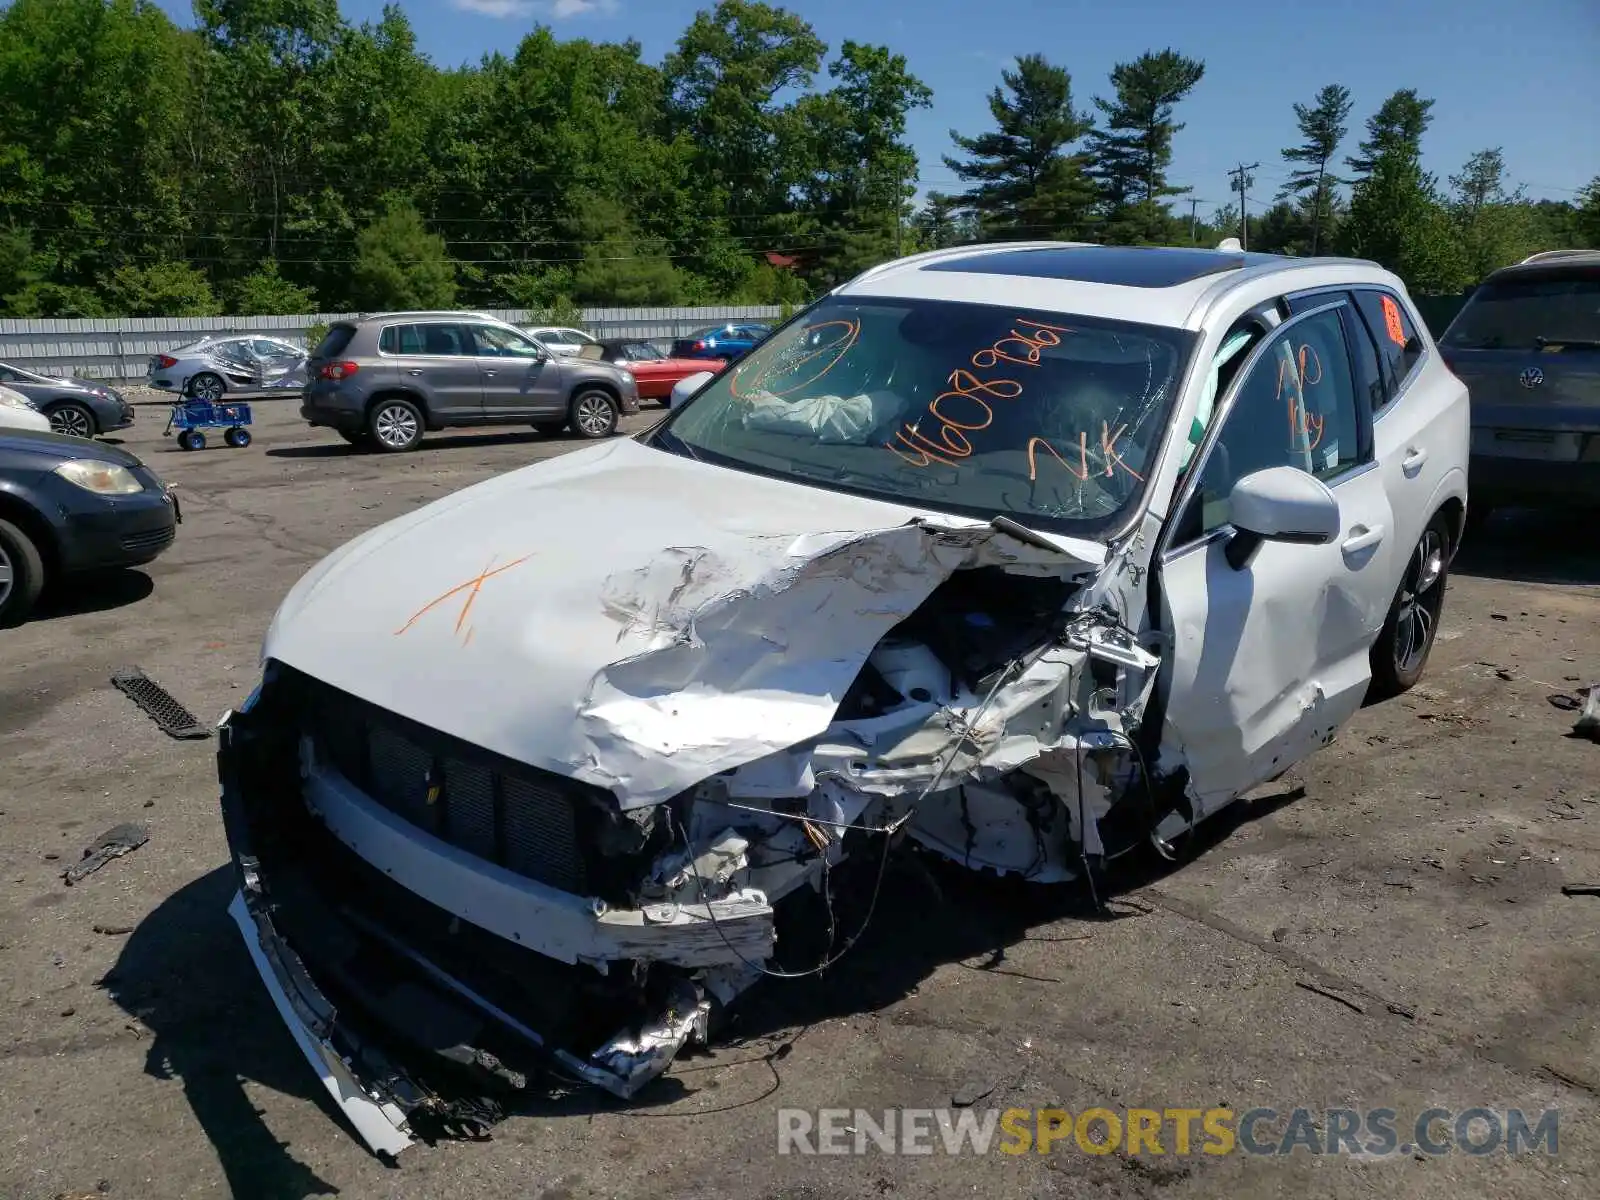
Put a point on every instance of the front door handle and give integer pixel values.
(414, 371)
(1362, 538)
(1412, 462)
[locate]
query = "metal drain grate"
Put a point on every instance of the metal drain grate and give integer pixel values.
(166, 712)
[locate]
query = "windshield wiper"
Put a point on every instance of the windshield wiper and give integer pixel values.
(660, 438)
(1571, 343)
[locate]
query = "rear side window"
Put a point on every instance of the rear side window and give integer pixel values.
(1530, 314)
(334, 341)
(1392, 330)
(1369, 366)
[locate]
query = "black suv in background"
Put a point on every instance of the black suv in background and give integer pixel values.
(384, 379)
(1527, 345)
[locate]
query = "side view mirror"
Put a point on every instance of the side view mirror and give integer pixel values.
(688, 386)
(1279, 504)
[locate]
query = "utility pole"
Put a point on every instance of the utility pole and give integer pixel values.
(1242, 181)
(1194, 220)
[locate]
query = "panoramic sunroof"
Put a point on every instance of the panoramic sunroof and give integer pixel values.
(1127, 266)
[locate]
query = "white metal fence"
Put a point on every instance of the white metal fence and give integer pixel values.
(119, 348)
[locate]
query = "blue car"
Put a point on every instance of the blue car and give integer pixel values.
(726, 342)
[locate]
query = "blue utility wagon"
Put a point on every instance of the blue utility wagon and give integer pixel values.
(192, 417)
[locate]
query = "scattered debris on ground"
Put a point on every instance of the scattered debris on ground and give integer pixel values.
(113, 843)
(173, 718)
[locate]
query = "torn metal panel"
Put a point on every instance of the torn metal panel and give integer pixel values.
(636, 1056)
(656, 668)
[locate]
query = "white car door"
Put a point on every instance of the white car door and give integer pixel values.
(1269, 659)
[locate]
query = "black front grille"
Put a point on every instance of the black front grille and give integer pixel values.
(150, 539)
(525, 819)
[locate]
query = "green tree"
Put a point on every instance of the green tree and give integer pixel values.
(1027, 181)
(1496, 227)
(722, 88)
(1586, 219)
(18, 271)
(1396, 218)
(400, 265)
(265, 293)
(619, 267)
(859, 173)
(1396, 128)
(93, 99)
(162, 289)
(1132, 151)
(1322, 127)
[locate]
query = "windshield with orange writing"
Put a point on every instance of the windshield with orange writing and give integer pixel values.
(1050, 418)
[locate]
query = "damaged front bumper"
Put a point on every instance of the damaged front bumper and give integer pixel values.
(441, 925)
(404, 1045)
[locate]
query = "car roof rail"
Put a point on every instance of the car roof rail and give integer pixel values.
(425, 312)
(1553, 255)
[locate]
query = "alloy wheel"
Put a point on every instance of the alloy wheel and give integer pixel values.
(206, 387)
(72, 421)
(594, 414)
(8, 575)
(1420, 595)
(395, 426)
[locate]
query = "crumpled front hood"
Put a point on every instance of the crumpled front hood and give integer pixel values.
(628, 617)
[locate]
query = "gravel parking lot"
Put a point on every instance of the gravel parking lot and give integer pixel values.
(1384, 927)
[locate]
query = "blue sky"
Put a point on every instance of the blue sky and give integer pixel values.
(1520, 74)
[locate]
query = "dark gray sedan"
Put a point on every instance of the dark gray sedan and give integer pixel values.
(77, 407)
(69, 507)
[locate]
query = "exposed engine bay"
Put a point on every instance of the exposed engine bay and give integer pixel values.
(441, 924)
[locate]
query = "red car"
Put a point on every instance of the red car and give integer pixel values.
(653, 370)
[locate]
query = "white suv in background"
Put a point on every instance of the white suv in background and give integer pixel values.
(559, 339)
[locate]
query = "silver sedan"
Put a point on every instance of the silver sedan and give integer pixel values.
(216, 364)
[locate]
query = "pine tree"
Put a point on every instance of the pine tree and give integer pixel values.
(1323, 127)
(1027, 181)
(1132, 153)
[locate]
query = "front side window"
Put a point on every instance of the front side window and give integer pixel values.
(1399, 348)
(982, 410)
(492, 341)
(1296, 407)
(1542, 313)
(642, 352)
(7, 375)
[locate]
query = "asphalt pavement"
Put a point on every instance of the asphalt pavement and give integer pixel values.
(1384, 927)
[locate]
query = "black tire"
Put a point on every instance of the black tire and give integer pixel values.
(206, 385)
(237, 437)
(594, 413)
(550, 428)
(395, 425)
(21, 574)
(73, 419)
(1409, 631)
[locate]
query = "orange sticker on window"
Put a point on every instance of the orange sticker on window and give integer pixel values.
(1391, 321)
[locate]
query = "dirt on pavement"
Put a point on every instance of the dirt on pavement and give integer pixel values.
(1383, 927)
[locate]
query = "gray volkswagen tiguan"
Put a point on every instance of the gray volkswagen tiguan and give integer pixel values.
(1527, 345)
(384, 379)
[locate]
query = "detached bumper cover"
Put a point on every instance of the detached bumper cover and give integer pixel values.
(304, 1010)
(394, 1036)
